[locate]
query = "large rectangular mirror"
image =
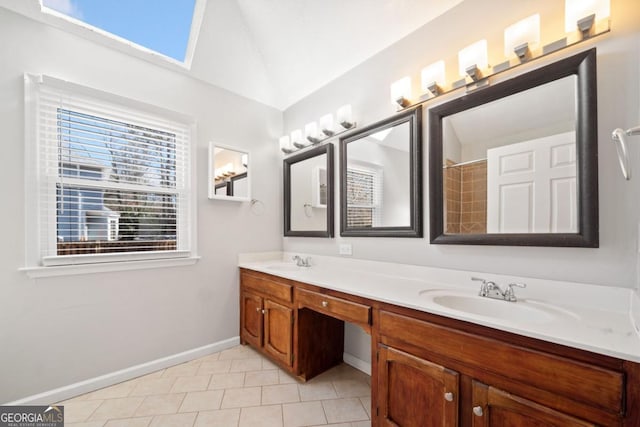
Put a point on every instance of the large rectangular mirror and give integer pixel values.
(308, 193)
(228, 173)
(516, 163)
(381, 178)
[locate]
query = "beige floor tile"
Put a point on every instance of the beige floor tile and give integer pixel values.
(230, 380)
(113, 392)
(286, 378)
(73, 399)
(156, 374)
(239, 352)
(344, 410)
(79, 410)
(123, 407)
(268, 365)
(160, 404)
(184, 370)
(208, 358)
(361, 424)
(174, 420)
(281, 393)
(185, 384)
(245, 365)
(256, 378)
(241, 397)
(129, 422)
(261, 416)
(366, 402)
(85, 424)
(221, 418)
(335, 425)
(202, 401)
(214, 367)
(303, 414)
(150, 386)
(351, 388)
(317, 390)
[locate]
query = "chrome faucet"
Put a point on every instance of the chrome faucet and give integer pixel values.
(302, 262)
(490, 289)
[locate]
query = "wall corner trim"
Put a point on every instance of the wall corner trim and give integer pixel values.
(92, 384)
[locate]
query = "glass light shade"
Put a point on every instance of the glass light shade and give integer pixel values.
(401, 89)
(433, 73)
(326, 123)
(474, 54)
(344, 115)
(524, 31)
(285, 142)
(296, 136)
(311, 130)
(574, 10)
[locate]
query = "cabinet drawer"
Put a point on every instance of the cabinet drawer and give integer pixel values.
(268, 285)
(335, 307)
(593, 385)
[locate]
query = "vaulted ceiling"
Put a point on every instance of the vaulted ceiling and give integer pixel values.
(279, 51)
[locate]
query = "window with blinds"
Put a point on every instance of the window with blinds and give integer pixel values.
(113, 181)
(364, 193)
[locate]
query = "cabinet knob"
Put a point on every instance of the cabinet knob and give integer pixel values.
(448, 396)
(477, 410)
(263, 311)
(325, 304)
(258, 309)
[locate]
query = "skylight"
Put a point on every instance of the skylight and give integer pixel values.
(162, 26)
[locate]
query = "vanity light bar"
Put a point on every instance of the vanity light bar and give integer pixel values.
(583, 20)
(314, 134)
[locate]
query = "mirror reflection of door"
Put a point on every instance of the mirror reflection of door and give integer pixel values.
(510, 165)
(378, 179)
(228, 173)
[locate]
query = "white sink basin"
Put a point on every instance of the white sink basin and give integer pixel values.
(521, 311)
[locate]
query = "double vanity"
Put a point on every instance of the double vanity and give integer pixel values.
(442, 355)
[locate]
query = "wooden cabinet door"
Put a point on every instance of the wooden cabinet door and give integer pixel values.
(251, 319)
(278, 331)
(495, 408)
(413, 392)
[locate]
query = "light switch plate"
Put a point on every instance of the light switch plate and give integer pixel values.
(345, 249)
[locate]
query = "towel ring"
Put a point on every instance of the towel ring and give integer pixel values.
(619, 138)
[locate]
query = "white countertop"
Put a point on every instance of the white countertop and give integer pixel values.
(596, 318)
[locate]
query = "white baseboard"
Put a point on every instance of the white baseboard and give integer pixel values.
(359, 364)
(92, 384)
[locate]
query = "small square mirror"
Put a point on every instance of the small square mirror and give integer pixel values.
(229, 173)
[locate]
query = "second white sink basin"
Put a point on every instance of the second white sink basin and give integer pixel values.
(521, 311)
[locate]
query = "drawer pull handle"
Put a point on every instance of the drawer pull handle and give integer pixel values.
(477, 410)
(263, 311)
(325, 304)
(448, 396)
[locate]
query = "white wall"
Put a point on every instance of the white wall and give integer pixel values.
(57, 331)
(366, 87)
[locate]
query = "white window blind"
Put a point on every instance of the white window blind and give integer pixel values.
(364, 197)
(113, 181)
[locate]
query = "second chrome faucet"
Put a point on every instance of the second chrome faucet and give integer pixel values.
(490, 289)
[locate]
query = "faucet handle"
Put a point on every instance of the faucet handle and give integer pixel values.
(509, 294)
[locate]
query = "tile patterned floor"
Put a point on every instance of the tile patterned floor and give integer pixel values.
(233, 388)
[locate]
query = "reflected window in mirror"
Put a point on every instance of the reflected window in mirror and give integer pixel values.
(516, 163)
(380, 178)
(228, 173)
(308, 193)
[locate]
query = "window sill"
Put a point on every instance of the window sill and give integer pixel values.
(71, 270)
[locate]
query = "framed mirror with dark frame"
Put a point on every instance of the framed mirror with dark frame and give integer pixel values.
(517, 163)
(308, 193)
(381, 178)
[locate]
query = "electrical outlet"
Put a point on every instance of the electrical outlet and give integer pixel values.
(345, 249)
